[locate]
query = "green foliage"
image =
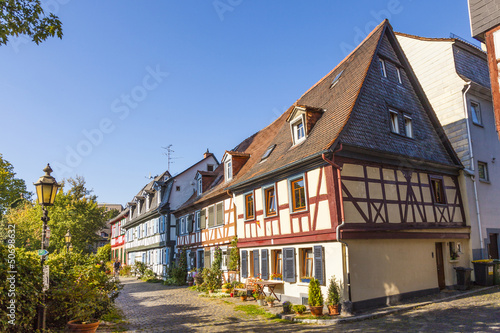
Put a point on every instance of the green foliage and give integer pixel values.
(270, 299)
(12, 190)
(148, 275)
(333, 296)
(104, 253)
(212, 278)
(75, 209)
(26, 17)
(139, 268)
(178, 271)
(287, 307)
(254, 310)
(125, 270)
(242, 294)
(79, 289)
(234, 255)
(299, 308)
(315, 295)
(28, 286)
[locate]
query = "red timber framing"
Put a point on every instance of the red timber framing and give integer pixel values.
(273, 226)
(217, 235)
(493, 63)
(416, 215)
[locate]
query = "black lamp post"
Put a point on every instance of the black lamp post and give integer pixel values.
(46, 190)
(67, 238)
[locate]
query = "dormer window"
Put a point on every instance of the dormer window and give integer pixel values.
(199, 184)
(268, 152)
(298, 130)
(228, 170)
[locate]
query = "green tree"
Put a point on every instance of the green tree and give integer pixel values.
(75, 209)
(26, 17)
(234, 255)
(12, 190)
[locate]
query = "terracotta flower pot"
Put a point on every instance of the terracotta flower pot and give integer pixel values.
(75, 326)
(243, 298)
(333, 310)
(316, 310)
(270, 304)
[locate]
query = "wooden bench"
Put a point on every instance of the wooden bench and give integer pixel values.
(249, 286)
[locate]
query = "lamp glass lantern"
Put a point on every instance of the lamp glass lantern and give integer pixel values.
(46, 188)
(67, 237)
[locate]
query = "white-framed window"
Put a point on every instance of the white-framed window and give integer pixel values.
(228, 169)
(224, 259)
(408, 127)
(475, 111)
(298, 130)
(383, 71)
(482, 170)
(400, 79)
(197, 219)
(394, 121)
(199, 184)
(183, 226)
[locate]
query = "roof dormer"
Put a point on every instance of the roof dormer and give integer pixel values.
(203, 181)
(302, 120)
(233, 162)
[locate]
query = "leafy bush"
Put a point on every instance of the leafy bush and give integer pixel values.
(299, 308)
(139, 268)
(78, 289)
(212, 278)
(234, 255)
(242, 293)
(270, 299)
(148, 275)
(104, 253)
(126, 270)
(315, 295)
(26, 295)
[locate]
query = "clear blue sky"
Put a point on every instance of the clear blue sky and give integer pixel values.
(129, 77)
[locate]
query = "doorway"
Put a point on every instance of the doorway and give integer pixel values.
(493, 246)
(440, 266)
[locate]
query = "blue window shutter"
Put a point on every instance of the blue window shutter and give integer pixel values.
(318, 264)
(265, 265)
(289, 264)
(256, 270)
(244, 264)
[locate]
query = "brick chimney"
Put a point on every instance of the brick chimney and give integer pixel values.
(207, 154)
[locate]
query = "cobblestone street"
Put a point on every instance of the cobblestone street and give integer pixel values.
(156, 308)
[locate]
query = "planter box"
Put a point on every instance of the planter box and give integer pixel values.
(305, 280)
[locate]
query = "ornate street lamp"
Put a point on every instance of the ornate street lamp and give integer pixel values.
(46, 190)
(67, 238)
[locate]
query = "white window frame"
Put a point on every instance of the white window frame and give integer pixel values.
(383, 68)
(408, 120)
(228, 169)
(486, 172)
(475, 113)
(400, 78)
(295, 129)
(199, 184)
(394, 126)
(197, 219)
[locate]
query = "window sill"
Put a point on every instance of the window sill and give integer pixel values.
(292, 212)
(477, 124)
(484, 181)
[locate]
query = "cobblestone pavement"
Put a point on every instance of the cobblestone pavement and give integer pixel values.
(153, 307)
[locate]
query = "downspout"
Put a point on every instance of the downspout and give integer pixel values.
(345, 250)
(472, 168)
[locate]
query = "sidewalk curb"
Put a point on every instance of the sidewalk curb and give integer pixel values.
(380, 313)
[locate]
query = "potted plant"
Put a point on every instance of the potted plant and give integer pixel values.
(315, 298)
(299, 309)
(226, 287)
(259, 297)
(287, 307)
(270, 301)
(242, 295)
(276, 276)
(333, 297)
(190, 280)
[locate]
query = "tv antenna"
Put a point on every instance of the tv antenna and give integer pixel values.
(168, 153)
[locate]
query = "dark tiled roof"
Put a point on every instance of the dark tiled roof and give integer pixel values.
(484, 15)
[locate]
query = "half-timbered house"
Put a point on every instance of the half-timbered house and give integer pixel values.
(357, 181)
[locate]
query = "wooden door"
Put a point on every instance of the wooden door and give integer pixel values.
(493, 246)
(440, 265)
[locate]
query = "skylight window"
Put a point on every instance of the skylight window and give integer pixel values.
(336, 79)
(268, 152)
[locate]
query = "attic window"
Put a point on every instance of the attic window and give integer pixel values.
(336, 79)
(382, 67)
(298, 130)
(228, 169)
(268, 152)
